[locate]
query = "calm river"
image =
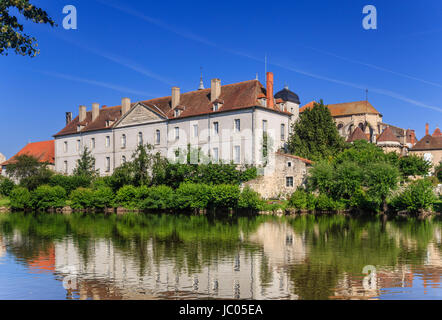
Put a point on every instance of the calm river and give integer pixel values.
(139, 256)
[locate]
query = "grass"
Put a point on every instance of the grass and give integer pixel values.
(4, 202)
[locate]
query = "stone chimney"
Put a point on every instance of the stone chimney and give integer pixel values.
(215, 89)
(427, 129)
(95, 111)
(175, 97)
(270, 102)
(68, 117)
(82, 113)
(125, 105)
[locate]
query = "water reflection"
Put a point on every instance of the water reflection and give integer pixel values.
(140, 256)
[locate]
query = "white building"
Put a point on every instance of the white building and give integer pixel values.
(226, 122)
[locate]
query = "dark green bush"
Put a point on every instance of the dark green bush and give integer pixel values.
(250, 199)
(70, 183)
(126, 197)
(224, 196)
(418, 195)
(103, 197)
(82, 198)
(298, 200)
(192, 196)
(20, 198)
(6, 186)
(45, 197)
(325, 203)
(160, 197)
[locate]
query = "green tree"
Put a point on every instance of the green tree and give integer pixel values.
(314, 136)
(438, 172)
(25, 167)
(414, 165)
(12, 36)
(86, 164)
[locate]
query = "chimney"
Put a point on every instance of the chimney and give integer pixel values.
(125, 105)
(427, 129)
(413, 137)
(95, 111)
(82, 113)
(215, 89)
(175, 97)
(270, 102)
(68, 117)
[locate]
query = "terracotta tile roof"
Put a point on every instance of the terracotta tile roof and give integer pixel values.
(44, 151)
(387, 136)
(348, 108)
(234, 96)
(428, 143)
(357, 134)
(307, 161)
(437, 133)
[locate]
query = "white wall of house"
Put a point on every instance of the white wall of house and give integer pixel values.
(230, 144)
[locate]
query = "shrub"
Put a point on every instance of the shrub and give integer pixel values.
(142, 193)
(45, 197)
(418, 195)
(437, 206)
(103, 197)
(324, 202)
(126, 197)
(224, 196)
(160, 197)
(311, 201)
(250, 199)
(101, 182)
(192, 196)
(70, 183)
(20, 198)
(6, 186)
(82, 198)
(298, 200)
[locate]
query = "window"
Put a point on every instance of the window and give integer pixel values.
(107, 165)
(282, 131)
(107, 141)
(237, 154)
(157, 137)
(264, 125)
(92, 143)
(216, 128)
(65, 169)
(289, 164)
(195, 130)
(123, 159)
(215, 156)
(123, 141)
(289, 182)
(78, 145)
(140, 138)
(177, 133)
(177, 112)
(237, 125)
(65, 146)
(215, 107)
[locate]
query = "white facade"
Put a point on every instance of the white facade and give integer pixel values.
(234, 135)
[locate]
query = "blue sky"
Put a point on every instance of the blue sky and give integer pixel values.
(140, 49)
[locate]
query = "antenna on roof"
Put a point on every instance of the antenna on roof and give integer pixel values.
(201, 87)
(286, 86)
(256, 76)
(366, 95)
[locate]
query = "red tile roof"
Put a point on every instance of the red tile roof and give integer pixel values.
(345, 109)
(307, 161)
(357, 134)
(428, 143)
(387, 136)
(44, 151)
(234, 96)
(437, 133)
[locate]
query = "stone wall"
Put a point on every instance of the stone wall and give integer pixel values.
(273, 183)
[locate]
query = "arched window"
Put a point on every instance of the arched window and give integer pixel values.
(123, 141)
(123, 159)
(361, 125)
(350, 129)
(140, 138)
